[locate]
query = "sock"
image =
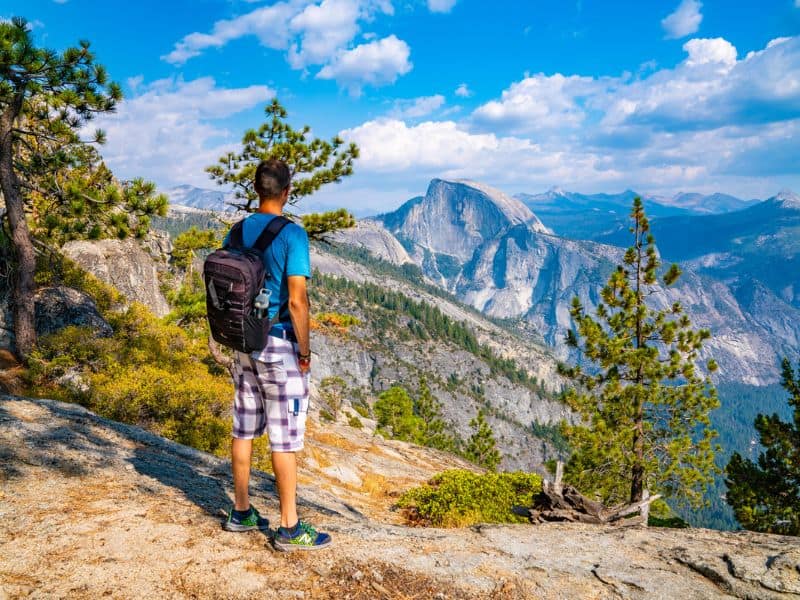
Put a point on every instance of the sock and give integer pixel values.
(240, 515)
(291, 531)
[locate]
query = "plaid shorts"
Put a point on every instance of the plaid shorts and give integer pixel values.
(271, 396)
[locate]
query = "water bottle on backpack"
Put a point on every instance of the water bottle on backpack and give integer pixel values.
(261, 304)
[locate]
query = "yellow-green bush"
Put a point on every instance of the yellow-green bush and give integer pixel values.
(458, 498)
(147, 373)
(338, 321)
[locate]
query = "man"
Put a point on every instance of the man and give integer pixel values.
(272, 384)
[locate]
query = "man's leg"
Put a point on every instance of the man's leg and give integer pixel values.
(285, 466)
(241, 454)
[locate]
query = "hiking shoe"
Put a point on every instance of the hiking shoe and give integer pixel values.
(302, 537)
(251, 522)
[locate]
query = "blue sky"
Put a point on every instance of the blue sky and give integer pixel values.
(661, 96)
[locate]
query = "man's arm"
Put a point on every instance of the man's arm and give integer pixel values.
(298, 311)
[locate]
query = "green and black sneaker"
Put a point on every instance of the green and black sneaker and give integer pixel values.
(248, 520)
(300, 537)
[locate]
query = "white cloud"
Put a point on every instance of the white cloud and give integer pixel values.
(169, 131)
(376, 63)
(463, 91)
(417, 107)
(540, 102)
(447, 149)
(310, 32)
(712, 89)
(445, 6)
(712, 122)
(710, 51)
(684, 21)
(328, 27)
(269, 23)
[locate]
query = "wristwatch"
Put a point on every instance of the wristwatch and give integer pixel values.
(304, 360)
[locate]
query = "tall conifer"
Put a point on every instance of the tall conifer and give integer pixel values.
(50, 177)
(644, 406)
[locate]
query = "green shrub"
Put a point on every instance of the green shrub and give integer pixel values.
(362, 408)
(354, 421)
(325, 415)
(661, 515)
(459, 498)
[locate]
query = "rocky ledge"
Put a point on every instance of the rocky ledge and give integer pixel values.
(91, 508)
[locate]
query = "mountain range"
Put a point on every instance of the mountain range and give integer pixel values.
(495, 254)
(591, 216)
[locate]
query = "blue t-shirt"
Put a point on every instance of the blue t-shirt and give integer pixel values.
(289, 248)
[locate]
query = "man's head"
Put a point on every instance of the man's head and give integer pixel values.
(272, 180)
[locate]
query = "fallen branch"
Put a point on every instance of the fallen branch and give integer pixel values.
(558, 502)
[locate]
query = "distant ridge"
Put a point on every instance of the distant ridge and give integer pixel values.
(204, 199)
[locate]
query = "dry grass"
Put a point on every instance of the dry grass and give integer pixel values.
(317, 454)
(337, 441)
(11, 372)
(378, 486)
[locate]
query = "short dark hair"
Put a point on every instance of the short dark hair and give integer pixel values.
(272, 177)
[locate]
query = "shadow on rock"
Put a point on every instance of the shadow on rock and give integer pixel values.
(63, 440)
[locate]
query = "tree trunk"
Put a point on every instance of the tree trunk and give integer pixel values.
(24, 286)
(220, 358)
(637, 472)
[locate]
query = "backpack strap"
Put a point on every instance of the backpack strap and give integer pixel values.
(236, 236)
(271, 231)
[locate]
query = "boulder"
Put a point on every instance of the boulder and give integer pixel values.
(59, 307)
(55, 308)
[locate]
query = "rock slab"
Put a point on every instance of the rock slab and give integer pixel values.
(121, 512)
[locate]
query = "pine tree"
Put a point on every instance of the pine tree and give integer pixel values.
(643, 405)
(765, 496)
(394, 411)
(188, 243)
(332, 391)
(46, 170)
(312, 162)
(482, 447)
(431, 431)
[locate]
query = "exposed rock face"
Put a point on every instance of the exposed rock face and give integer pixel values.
(372, 361)
(377, 240)
(124, 265)
(122, 512)
(522, 273)
(514, 269)
(455, 217)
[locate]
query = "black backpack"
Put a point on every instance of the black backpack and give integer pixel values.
(234, 275)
